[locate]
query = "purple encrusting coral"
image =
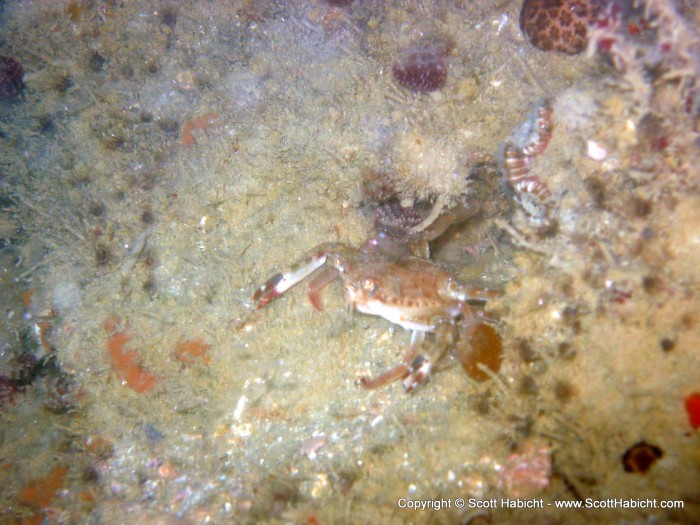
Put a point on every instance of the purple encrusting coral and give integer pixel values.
(421, 69)
(11, 74)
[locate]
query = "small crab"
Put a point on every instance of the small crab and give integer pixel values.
(384, 277)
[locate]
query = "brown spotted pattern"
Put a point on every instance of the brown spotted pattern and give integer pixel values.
(559, 25)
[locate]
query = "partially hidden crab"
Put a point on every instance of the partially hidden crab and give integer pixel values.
(385, 277)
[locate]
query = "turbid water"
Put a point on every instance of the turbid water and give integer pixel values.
(166, 158)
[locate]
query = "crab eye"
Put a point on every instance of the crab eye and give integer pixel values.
(368, 285)
(339, 264)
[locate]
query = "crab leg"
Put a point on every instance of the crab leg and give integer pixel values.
(317, 284)
(420, 368)
(449, 218)
(465, 293)
(418, 373)
(398, 372)
(402, 371)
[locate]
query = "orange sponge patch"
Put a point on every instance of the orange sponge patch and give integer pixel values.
(125, 363)
(198, 123)
(192, 351)
(40, 492)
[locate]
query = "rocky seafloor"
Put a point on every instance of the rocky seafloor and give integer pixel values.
(160, 160)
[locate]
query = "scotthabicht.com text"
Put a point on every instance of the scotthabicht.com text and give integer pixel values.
(503, 503)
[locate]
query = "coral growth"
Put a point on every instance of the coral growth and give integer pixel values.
(422, 68)
(139, 202)
(427, 166)
(665, 54)
(559, 25)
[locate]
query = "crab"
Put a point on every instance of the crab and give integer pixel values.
(385, 277)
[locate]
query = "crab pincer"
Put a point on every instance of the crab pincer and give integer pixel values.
(283, 281)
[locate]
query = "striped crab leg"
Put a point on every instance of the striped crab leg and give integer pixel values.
(283, 281)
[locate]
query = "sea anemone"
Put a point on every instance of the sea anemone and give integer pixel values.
(428, 165)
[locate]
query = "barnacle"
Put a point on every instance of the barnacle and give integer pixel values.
(640, 457)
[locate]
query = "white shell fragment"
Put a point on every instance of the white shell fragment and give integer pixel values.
(595, 151)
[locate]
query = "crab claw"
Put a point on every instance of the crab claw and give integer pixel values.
(269, 291)
(418, 373)
(283, 281)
